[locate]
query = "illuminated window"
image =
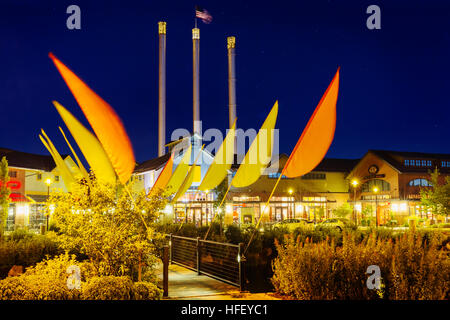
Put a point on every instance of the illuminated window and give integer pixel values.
(381, 184)
(420, 183)
(314, 176)
(407, 162)
(276, 176)
(445, 164)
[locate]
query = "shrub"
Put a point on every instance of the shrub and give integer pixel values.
(412, 267)
(25, 249)
(108, 288)
(146, 291)
(46, 281)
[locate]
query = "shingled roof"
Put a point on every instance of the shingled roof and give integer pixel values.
(327, 164)
(152, 164)
(28, 160)
(390, 157)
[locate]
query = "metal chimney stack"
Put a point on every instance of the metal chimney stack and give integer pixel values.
(162, 89)
(196, 78)
(231, 46)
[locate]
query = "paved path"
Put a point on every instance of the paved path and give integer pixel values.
(186, 284)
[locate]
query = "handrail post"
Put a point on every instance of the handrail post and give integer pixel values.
(241, 259)
(170, 248)
(166, 271)
(198, 255)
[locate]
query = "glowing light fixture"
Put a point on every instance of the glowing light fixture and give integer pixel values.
(48, 182)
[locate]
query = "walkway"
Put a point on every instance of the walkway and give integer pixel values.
(185, 284)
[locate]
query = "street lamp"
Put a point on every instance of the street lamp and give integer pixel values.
(355, 184)
(375, 190)
(48, 182)
(290, 191)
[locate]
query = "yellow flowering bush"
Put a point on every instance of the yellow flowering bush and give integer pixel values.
(45, 281)
(112, 227)
(146, 291)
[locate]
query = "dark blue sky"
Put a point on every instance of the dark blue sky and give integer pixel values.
(394, 91)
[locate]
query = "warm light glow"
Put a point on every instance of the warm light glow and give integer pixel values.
(355, 182)
(375, 189)
(290, 191)
(228, 209)
(48, 181)
(358, 207)
(168, 209)
(403, 206)
(394, 207)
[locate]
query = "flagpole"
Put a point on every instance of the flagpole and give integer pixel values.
(264, 209)
(215, 214)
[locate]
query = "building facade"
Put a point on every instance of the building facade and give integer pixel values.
(31, 178)
(389, 184)
(388, 188)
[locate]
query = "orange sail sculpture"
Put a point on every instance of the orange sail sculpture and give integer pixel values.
(104, 121)
(313, 143)
(163, 178)
(317, 135)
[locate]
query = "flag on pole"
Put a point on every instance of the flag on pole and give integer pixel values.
(89, 145)
(317, 135)
(222, 162)
(203, 15)
(259, 154)
(106, 123)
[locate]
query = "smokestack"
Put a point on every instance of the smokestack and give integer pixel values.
(162, 89)
(231, 45)
(196, 77)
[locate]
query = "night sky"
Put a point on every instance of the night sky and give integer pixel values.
(394, 91)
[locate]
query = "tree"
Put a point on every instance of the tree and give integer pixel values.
(4, 194)
(103, 222)
(437, 197)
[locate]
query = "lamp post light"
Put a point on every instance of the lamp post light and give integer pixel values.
(375, 190)
(48, 182)
(290, 191)
(355, 184)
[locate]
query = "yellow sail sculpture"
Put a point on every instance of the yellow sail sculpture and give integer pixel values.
(180, 172)
(188, 180)
(163, 177)
(64, 171)
(83, 171)
(89, 145)
(222, 162)
(106, 123)
(259, 154)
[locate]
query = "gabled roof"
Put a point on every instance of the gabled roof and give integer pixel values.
(28, 160)
(390, 158)
(152, 164)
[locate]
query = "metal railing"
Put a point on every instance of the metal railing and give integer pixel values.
(221, 261)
